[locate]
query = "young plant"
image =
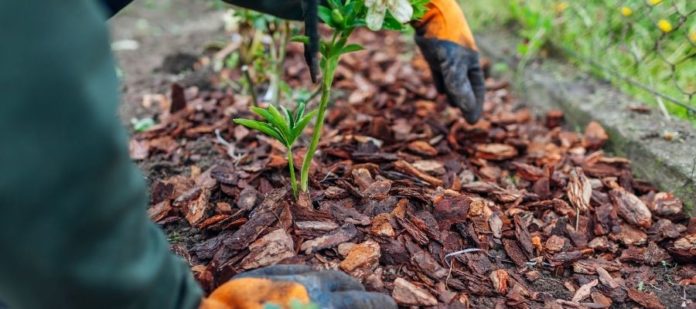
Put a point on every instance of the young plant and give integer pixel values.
(285, 128)
(262, 50)
(343, 17)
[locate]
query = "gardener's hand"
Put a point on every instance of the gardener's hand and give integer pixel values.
(448, 45)
(282, 284)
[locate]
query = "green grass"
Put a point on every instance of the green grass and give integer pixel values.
(621, 35)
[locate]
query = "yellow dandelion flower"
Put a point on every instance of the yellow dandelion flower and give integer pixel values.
(561, 7)
(692, 36)
(664, 25)
(654, 2)
(626, 11)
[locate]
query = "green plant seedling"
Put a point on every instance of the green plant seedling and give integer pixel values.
(342, 17)
(285, 127)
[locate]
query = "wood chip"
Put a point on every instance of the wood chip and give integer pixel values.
(422, 148)
(405, 167)
(361, 255)
(269, 250)
(496, 152)
(584, 291)
(407, 294)
(631, 208)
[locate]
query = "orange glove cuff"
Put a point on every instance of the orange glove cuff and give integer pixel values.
(253, 293)
(445, 20)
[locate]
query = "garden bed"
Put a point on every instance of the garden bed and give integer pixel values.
(413, 201)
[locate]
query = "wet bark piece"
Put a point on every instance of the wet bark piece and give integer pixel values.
(407, 294)
(269, 250)
(579, 190)
(406, 168)
(595, 136)
(197, 207)
(514, 252)
(528, 172)
(418, 235)
(665, 204)
(631, 208)
(523, 237)
(555, 244)
(426, 263)
(344, 234)
(606, 278)
(431, 167)
(159, 211)
(259, 220)
(496, 152)
(584, 291)
(381, 226)
(451, 210)
(178, 99)
(644, 299)
(378, 190)
(500, 278)
(684, 248)
(138, 150)
(422, 148)
(364, 254)
(394, 252)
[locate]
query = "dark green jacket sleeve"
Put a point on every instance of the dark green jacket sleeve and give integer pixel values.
(288, 9)
(73, 228)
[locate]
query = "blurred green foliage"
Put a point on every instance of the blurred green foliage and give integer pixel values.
(650, 41)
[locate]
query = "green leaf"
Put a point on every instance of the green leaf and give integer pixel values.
(261, 127)
(324, 14)
(282, 125)
(277, 122)
(288, 116)
(300, 39)
(299, 111)
(338, 18)
(302, 123)
(142, 125)
(350, 48)
(390, 23)
(334, 4)
(324, 49)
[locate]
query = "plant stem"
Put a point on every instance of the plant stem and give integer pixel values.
(328, 70)
(291, 166)
(319, 124)
(252, 86)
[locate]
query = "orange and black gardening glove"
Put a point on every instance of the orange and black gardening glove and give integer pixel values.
(283, 285)
(448, 45)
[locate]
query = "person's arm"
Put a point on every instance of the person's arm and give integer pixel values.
(288, 9)
(73, 228)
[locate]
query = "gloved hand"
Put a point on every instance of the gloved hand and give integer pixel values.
(281, 284)
(448, 45)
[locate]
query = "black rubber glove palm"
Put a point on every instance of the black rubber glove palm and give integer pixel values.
(447, 43)
(326, 289)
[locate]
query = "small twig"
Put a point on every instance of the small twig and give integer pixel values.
(252, 86)
(327, 176)
(470, 250)
(449, 275)
(577, 219)
(231, 148)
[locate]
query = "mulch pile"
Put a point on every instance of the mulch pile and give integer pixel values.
(415, 202)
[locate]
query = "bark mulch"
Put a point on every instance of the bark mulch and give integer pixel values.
(416, 203)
